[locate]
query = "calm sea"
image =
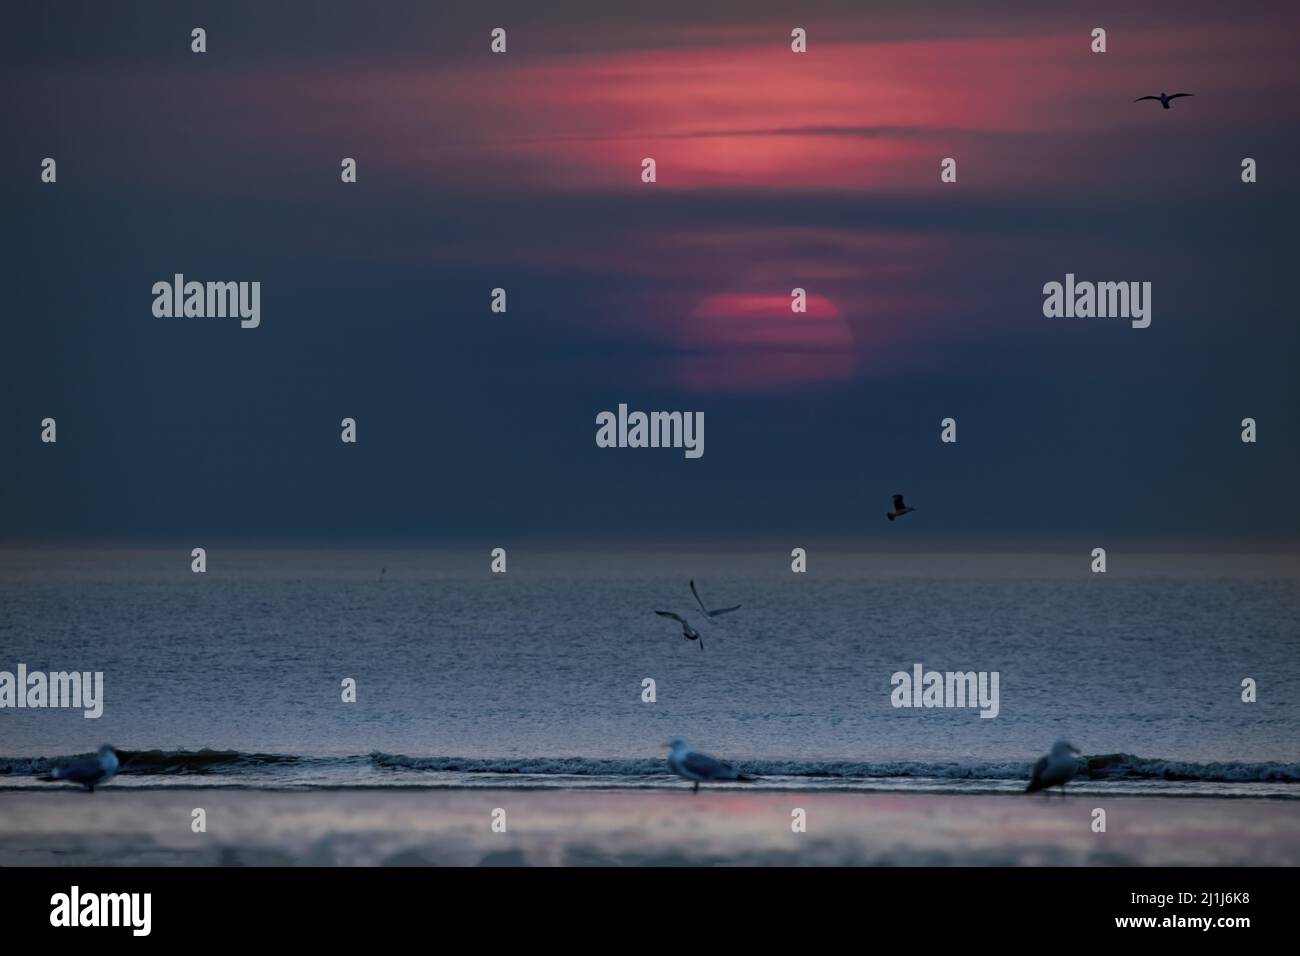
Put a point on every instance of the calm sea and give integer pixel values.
(535, 677)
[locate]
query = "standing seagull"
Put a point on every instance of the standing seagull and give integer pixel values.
(688, 632)
(698, 767)
(1164, 98)
(1058, 767)
(707, 612)
(87, 772)
(900, 509)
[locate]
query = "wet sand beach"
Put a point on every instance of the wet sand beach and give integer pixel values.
(396, 827)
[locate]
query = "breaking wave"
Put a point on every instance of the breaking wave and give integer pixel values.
(379, 765)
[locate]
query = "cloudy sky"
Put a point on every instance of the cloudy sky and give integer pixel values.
(775, 171)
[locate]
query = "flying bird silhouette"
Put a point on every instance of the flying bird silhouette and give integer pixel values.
(900, 509)
(1164, 98)
(700, 768)
(1056, 769)
(688, 632)
(88, 771)
(707, 612)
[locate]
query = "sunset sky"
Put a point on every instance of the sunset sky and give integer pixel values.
(775, 170)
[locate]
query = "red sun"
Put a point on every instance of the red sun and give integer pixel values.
(740, 342)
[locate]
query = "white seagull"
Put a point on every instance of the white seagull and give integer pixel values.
(700, 768)
(688, 632)
(1057, 768)
(707, 613)
(89, 771)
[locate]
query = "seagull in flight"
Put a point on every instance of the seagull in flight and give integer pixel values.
(1164, 98)
(1057, 768)
(688, 632)
(88, 771)
(900, 509)
(707, 612)
(700, 768)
